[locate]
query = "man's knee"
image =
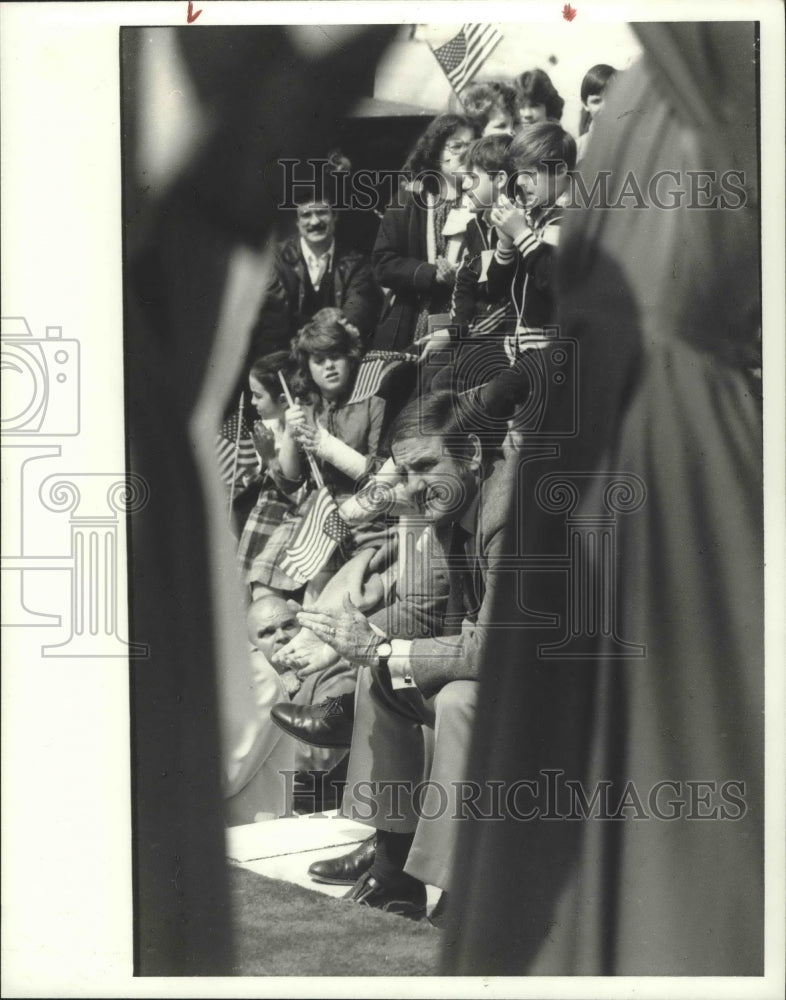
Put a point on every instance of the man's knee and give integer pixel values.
(457, 700)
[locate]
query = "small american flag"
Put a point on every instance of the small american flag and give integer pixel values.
(374, 366)
(320, 532)
(247, 460)
(462, 57)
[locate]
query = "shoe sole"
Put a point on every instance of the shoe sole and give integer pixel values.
(311, 743)
(331, 881)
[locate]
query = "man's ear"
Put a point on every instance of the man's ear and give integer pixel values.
(477, 452)
(282, 400)
(501, 180)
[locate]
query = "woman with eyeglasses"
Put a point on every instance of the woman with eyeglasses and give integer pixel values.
(421, 236)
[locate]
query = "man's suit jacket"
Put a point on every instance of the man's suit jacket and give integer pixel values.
(282, 314)
(419, 610)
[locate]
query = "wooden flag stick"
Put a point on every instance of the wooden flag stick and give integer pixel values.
(311, 461)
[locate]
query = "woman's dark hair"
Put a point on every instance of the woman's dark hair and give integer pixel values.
(481, 100)
(265, 370)
(424, 158)
(328, 332)
(535, 87)
(489, 153)
(595, 80)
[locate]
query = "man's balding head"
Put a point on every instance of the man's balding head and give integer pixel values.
(272, 622)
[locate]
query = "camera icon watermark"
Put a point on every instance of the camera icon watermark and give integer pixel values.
(41, 403)
(40, 381)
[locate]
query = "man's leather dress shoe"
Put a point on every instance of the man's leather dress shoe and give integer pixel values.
(347, 869)
(323, 725)
(405, 897)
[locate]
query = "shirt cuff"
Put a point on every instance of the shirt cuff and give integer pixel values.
(399, 665)
(505, 255)
(526, 242)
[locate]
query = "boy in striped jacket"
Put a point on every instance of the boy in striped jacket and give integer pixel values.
(540, 159)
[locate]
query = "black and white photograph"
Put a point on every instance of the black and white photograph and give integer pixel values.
(393, 447)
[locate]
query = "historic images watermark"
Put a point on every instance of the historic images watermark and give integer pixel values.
(317, 181)
(547, 795)
(40, 405)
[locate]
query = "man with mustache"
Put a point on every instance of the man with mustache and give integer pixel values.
(313, 270)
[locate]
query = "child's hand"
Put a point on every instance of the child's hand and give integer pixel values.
(509, 219)
(264, 442)
(308, 436)
(294, 418)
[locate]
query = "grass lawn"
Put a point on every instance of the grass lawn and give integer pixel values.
(284, 930)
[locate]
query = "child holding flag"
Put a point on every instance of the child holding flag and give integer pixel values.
(331, 440)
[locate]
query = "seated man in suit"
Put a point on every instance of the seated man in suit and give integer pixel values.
(312, 270)
(422, 657)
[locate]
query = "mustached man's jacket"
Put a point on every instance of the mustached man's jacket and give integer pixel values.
(291, 299)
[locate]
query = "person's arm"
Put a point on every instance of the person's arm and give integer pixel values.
(290, 457)
(362, 297)
(392, 265)
(329, 448)
(434, 662)
(271, 330)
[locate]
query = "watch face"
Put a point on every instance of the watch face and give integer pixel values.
(384, 650)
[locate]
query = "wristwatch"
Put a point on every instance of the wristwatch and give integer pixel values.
(384, 651)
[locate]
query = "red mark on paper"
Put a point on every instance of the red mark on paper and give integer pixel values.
(192, 14)
(569, 12)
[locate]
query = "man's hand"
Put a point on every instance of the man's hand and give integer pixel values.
(509, 219)
(305, 654)
(347, 632)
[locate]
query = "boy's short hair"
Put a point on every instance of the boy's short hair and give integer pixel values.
(490, 153)
(265, 370)
(595, 80)
(439, 414)
(543, 146)
(535, 86)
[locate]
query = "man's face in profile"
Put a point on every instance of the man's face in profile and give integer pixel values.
(316, 224)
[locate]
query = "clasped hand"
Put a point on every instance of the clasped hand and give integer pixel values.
(348, 632)
(509, 219)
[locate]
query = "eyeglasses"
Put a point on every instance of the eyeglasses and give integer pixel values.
(458, 146)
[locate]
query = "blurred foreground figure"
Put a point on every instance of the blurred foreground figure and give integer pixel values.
(193, 281)
(657, 711)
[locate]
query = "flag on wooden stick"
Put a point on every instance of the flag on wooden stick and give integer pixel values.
(319, 534)
(236, 455)
(462, 57)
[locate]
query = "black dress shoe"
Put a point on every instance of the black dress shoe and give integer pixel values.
(405, 897)
(347, 869)
(323, 725)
